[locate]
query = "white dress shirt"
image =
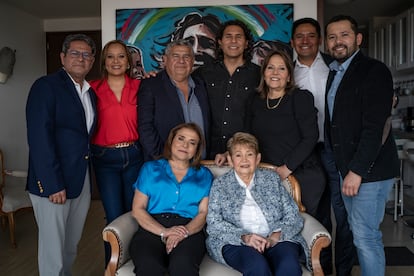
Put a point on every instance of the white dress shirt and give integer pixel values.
(251, 216)
(314, 79)
(86, 101)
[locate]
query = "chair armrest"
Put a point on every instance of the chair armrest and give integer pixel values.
(15, 173)
(316, 237)
(296, 192)
(291, 184)
(119, 234)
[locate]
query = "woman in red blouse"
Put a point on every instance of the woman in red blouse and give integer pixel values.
(116, 153)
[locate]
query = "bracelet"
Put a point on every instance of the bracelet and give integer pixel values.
(163, 239)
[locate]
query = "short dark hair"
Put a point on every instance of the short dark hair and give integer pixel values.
(306, 20)
(342, 17)
(263, 89)
(195, 161)
(104, 54)
(78, 37)
(247, 54)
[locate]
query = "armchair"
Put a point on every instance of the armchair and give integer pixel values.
(119, 234)
(13, 196)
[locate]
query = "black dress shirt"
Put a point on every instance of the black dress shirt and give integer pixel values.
(228, 97)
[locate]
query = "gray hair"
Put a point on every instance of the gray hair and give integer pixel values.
(179, 42)
(78, 37)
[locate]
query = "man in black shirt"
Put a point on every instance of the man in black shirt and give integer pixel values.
(231, 80)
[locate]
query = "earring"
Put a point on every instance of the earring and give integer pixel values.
(128, 66)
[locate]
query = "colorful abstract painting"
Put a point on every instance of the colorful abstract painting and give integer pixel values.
(148, 30)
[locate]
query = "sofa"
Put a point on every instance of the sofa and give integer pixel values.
(119, 234)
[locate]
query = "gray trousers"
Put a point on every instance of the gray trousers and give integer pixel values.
(60, 229)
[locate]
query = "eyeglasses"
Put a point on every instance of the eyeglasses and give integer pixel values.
(178, 57)
(77, 54)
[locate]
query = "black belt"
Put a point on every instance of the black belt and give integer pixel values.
(166, 215)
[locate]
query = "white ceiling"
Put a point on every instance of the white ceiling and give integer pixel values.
(48, 9)
(361, 10)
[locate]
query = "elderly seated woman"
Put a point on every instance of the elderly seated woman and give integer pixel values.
(170, 205)
(253, 224)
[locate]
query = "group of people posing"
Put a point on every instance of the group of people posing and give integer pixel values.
(321, 117)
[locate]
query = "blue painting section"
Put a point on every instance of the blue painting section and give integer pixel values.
(150, 29)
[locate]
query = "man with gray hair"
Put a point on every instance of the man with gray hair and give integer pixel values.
(171, 98)
(60, 115)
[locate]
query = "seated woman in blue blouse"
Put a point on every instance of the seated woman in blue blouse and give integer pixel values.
(253, 224)
(170, 205)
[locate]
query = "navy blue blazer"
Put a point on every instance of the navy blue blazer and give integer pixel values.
(360, 132)
(57, 136)
(159, 110)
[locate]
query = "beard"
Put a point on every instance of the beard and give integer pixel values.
(344, 54)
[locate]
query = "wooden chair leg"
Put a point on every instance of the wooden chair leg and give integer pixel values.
(12, 227)
(3, 221)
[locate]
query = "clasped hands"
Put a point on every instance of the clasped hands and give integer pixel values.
(173, 236)
(261, 243)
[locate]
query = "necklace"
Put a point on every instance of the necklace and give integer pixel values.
(276, 105)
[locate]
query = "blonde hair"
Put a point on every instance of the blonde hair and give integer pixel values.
(242, 138)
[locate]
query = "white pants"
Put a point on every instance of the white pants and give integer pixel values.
(60, 229)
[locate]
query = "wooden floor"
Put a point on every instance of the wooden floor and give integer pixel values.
(23, 260)
(90, 261)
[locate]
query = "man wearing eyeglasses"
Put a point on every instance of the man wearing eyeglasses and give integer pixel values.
(60, 115)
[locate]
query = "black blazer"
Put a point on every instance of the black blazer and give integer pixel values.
(57, 136)
(360, 133)
(159, 110)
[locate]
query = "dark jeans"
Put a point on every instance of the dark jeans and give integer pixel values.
(345, 252)
(116, 170)
(282, 259)
(149, 255)
(323, 215)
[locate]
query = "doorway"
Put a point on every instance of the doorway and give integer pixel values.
(54, 41)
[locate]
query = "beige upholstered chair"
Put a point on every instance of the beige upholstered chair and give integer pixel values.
(13, 196)
(119, 234)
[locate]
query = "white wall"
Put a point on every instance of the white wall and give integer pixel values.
(24, 33)
(72, 24)
(302, 8)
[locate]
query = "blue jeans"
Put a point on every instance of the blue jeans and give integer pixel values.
(345, 253)
(116, 170)
(365, 214)
(282, 259)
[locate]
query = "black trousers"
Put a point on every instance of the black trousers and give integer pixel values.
(323, 215)
(312, 180)
(150, 257)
